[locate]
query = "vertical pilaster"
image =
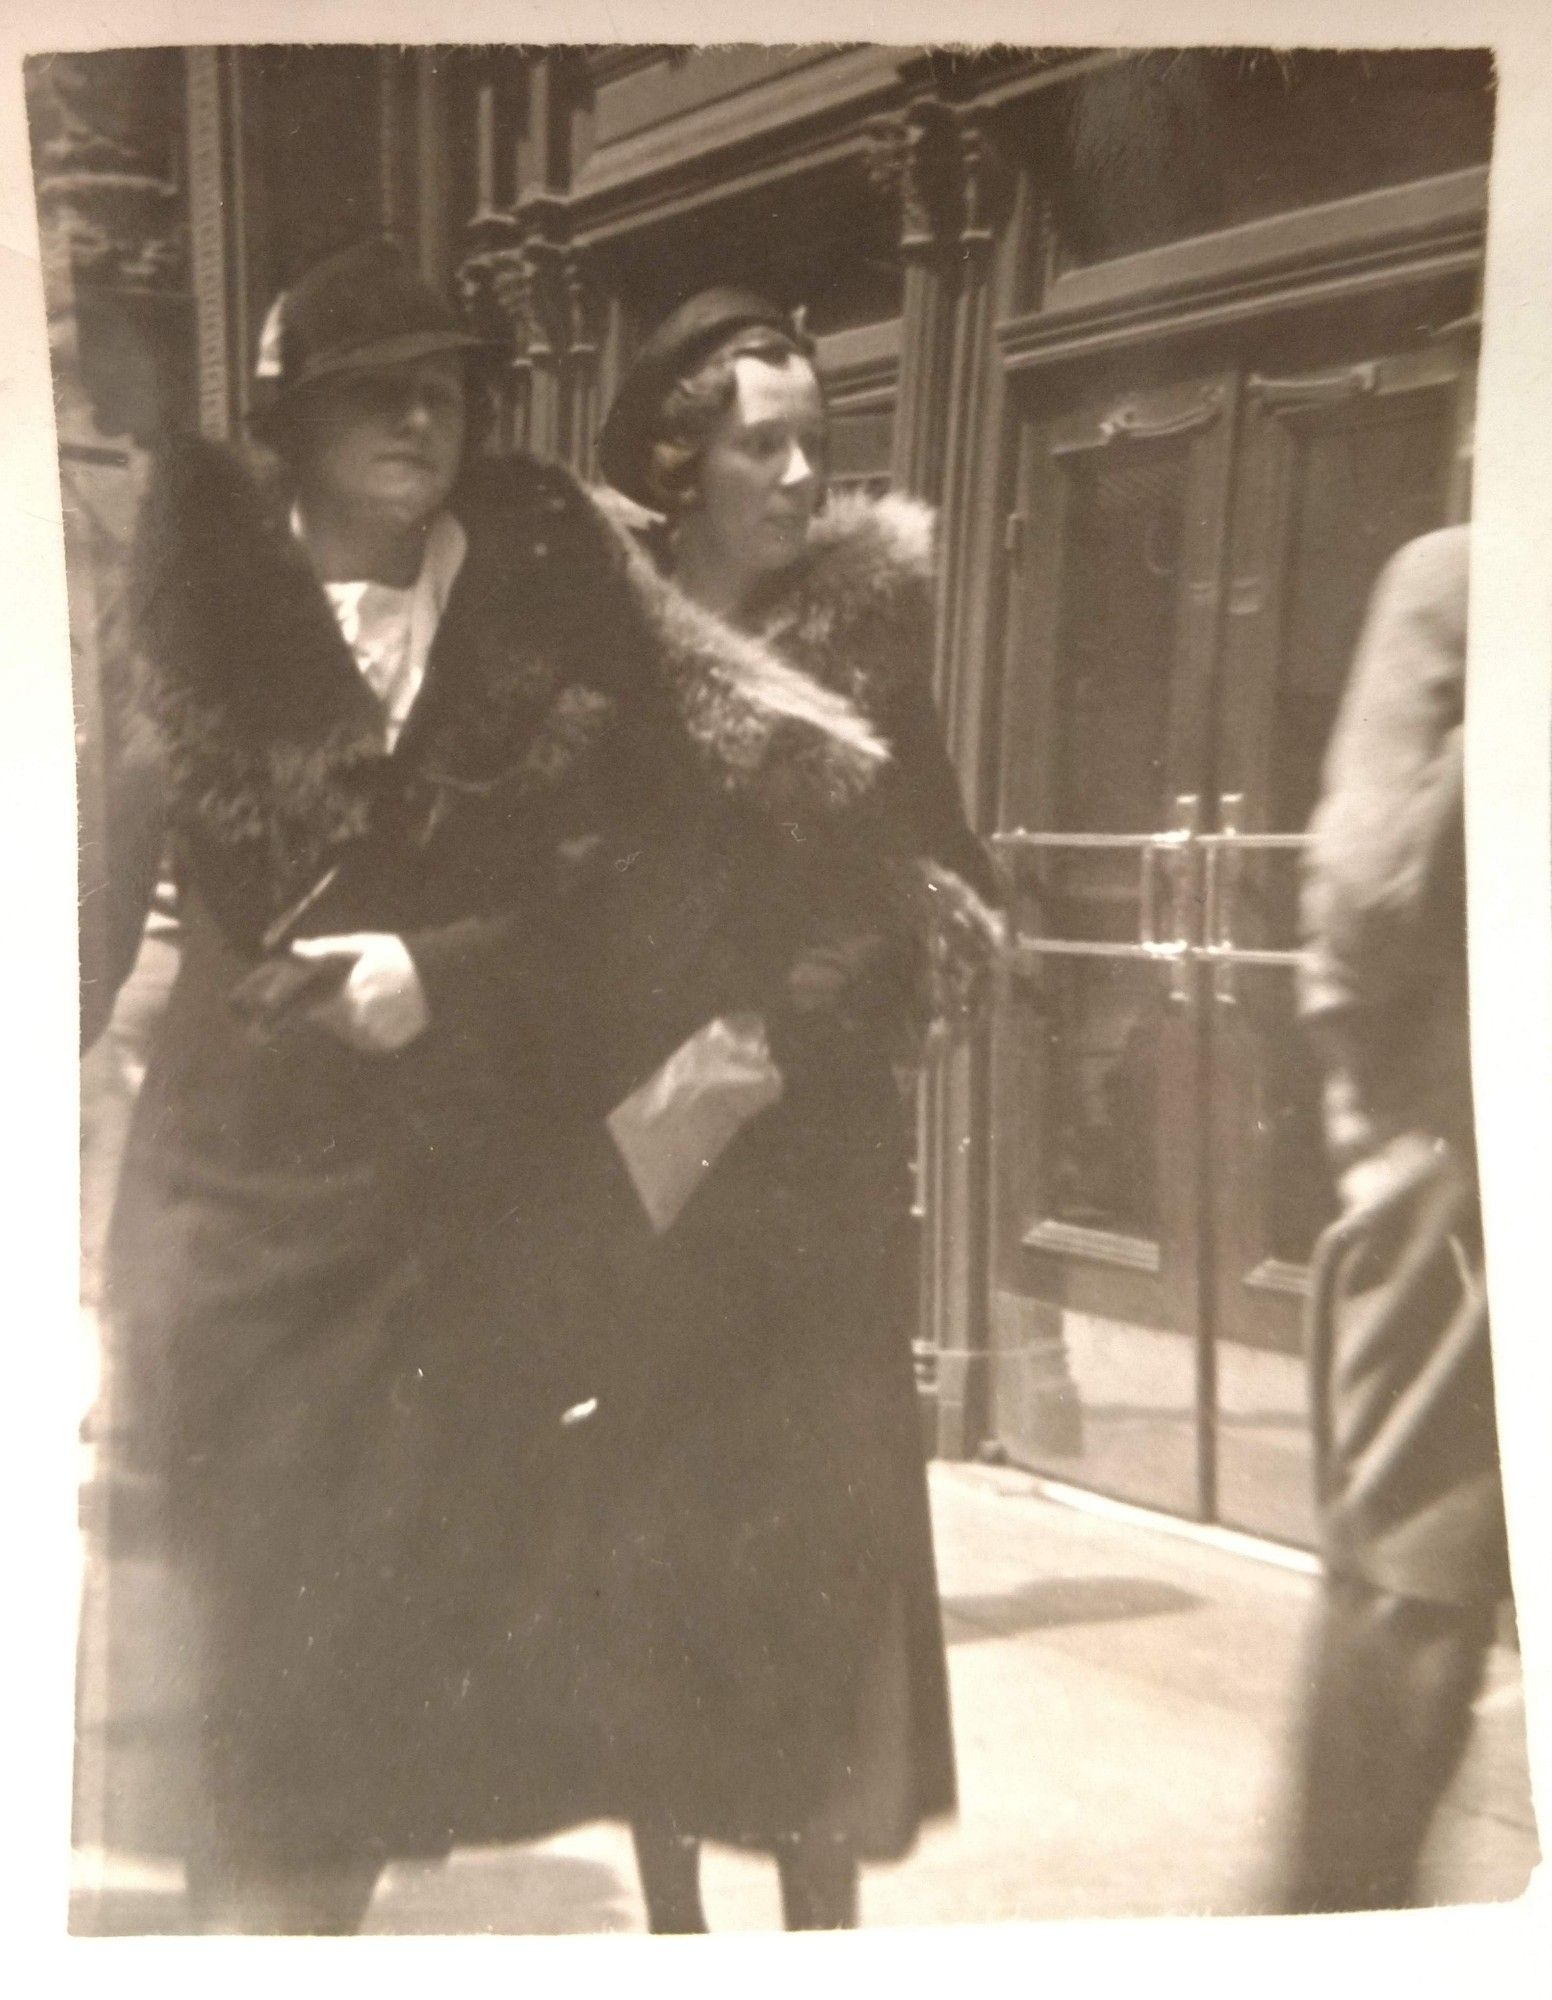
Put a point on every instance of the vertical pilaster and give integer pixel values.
(215, 357)
(491, 275)
(582, 355)
(928, 199)
(392, 206)
(955, 1252)
(431, 175)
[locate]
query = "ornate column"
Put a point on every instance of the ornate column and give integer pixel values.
(527, 286)
(955, 1152)
(522, 279)
(920, 155)
(584, 340)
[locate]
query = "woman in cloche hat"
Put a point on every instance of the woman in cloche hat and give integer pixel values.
(417, 724)
(772, 1538)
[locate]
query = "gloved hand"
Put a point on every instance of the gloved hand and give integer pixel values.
(844, 993)
(380, 1005)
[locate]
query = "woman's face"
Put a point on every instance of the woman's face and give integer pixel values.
(761, 474)
(387, 442)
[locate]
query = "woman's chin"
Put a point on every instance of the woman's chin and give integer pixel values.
(409, 500)
(781, 541)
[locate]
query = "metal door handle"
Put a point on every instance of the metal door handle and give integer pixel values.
(1222, 876)
(1127, 420)
(1152, 942)
(1360, 380)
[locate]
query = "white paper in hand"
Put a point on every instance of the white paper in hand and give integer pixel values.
(672, 1129)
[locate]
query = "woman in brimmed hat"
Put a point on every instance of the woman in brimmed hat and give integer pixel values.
(415, 723)
(772, 1556)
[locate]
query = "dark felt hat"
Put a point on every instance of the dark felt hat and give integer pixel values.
(361, 308)
(675, 350)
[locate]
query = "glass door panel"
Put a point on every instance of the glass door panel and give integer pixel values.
(1336, 470)
(1191, 569)
(1098, 1374)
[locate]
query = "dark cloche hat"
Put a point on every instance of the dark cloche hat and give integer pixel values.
(363, 307)
(675, 350)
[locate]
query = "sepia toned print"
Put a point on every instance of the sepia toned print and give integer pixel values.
(773, 985)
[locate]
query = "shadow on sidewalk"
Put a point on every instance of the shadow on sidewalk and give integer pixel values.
(1062, 1600)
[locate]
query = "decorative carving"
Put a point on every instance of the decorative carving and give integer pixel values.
(914, 159)
(484, 278)
(986, 182)
(528, 290)
(581, 316)
(944, 165)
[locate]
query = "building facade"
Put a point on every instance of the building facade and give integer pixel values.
(1174, 341)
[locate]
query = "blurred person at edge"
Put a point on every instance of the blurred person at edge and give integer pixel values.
(414, 718)
(1409, 1486)
(766, 1535)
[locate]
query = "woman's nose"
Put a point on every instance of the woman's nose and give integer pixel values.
(799, 467)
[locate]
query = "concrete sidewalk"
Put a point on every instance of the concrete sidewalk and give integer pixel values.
(1122, 1700)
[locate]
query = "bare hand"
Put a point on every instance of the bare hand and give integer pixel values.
(1369, 1181)
(381, 1006)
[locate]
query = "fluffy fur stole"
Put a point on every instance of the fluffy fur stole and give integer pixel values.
(855, 611)
(275, 752)
(851, 623)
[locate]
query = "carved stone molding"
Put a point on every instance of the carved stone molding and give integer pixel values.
(525, 285)
(948, 170)
(913, 160)
(529, 291)
(986, 183)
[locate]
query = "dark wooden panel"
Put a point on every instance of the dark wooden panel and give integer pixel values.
(679, 82)
(318, 150)
(1375, 243)
(687, 116)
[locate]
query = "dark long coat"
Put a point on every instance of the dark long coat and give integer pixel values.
(362, 1291)
(766, 1590)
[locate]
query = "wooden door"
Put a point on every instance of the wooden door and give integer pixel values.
(1096, 1191)
(1191, 566)
(1337, 466)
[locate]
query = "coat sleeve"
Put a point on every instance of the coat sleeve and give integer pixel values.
(1386, 840)
(524, 975)
(930, 783)
(864, 967)
(1384, 883)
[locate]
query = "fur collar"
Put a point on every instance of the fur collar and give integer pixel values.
(856, 608)
(849, 617)
(274, 743)
(863, 551)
